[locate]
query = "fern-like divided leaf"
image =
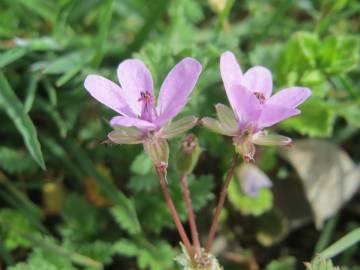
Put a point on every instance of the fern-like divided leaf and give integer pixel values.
(319, 263)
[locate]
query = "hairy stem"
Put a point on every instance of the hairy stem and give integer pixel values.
(221, 202)
(174, 212)
(191, 217)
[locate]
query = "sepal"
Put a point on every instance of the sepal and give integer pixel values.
(263, 138)
(125, 135)
(182, 125)
(226, 117)
(158, 151)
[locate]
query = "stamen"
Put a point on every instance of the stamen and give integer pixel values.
(145, 97)
(147, 106)
(260, 96)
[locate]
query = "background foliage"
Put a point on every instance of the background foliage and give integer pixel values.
(69, 202)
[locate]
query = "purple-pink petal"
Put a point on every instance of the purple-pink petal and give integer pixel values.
(258, 79)
(131, 122)
(108, 93)
(246, 105)
(290, 97)
(231, 74)
(272, 114)
(134, 78)
(176, 88)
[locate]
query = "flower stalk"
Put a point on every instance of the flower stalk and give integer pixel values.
(191, 217)
(221, 202)
(162, 174)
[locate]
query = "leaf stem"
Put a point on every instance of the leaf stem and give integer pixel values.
(174, 212)
(221, 202)
(190, 212)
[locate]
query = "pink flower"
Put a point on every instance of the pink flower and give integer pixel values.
(139, 120)
(253, 107)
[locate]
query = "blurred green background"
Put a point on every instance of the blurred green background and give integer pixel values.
(69, 202)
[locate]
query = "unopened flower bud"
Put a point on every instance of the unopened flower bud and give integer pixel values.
(188, 154)
(158, 151)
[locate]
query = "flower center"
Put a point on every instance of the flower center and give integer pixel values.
(260, 96)
(147, 106)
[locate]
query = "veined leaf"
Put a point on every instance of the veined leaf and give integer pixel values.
(13, 107)
(316, 119)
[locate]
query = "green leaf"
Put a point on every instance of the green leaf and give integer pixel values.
(351, 114)
(287, 263)
(41, 7)
(247, 205)
(11, 56)
(142, 164)
(352, 238)
(31, 91)
(298, 56)
(200, 190)
(346, 57)
(68, 62)
(104, 23)
(124, 221)
(13, 161)
(152, 256)
(49, 254)
(316, 119)
(82, 220)
(98, 250)
(319, 263)
(107, 186)
(16, 111)
(11, 222)
(4, 254)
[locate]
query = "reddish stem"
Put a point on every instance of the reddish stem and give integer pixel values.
(221, 202)
(191, 217)
(174, 213)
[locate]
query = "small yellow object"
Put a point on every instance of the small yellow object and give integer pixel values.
(217, 5)
(53, 197)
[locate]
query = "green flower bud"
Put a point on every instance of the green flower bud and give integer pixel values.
(188, 154)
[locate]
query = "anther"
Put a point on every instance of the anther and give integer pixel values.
(260, 96)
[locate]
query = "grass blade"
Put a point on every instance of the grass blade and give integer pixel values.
(12, 55)
(15, 110)
(31, 92)
(342, 244)
(104, 23)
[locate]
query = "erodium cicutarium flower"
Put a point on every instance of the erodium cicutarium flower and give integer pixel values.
(139, 119)
(253, 107)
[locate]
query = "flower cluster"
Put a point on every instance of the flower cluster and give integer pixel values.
(140, 121)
